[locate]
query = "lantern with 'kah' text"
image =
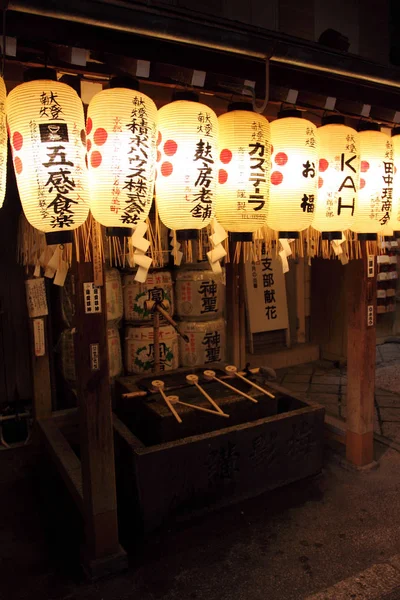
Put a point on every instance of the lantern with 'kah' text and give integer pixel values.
(243, 179)
(3, 141)
(187, 157)
(294, 174)
(47, 135)
(339, 170)
(375, 195)
(121, 147)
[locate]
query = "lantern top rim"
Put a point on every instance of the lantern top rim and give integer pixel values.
(395, 131)
(332, 120)
(40, 73)
(125, 82)
(367, 126)
(245, 106)
(185, 95)
(289, 112)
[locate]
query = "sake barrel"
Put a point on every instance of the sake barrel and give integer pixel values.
(139, 349)
(114, 351)
(206, 342)
(115, 307)
(199, 295)
(157, 286)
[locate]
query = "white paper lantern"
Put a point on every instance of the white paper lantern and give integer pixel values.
(338, 181)
(294, 174)
(374, 205)
(47, 134)
(187, 165)
(121, 144)
(395, 219)
(243, 178)
(3, 141)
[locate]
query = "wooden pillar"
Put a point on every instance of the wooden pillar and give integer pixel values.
(235, 312)
(361, 352)
(300, 302)
(102, 552)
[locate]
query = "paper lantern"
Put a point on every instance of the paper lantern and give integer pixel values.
(3, 141)
(187, 165)
(395, 219)
(294, 174)
(121, 145)
(47, 134)
(375, 195)
(338, 181)
(243, 178)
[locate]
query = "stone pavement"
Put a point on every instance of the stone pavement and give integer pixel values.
(326, 384)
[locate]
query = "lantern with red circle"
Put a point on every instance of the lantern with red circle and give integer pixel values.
(47, 133)
(395, 219)
(374, 207)
(187, 165)
(294, 174)
(121, 150)
(243, 177)
(338, 181)
(3, 141)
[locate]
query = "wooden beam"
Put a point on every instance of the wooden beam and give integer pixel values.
(361, 352)
(65, 459)
(95, 421)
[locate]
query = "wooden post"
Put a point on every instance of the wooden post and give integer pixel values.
(361, 349)
(102, 552)
(300, 302)
(233, 309)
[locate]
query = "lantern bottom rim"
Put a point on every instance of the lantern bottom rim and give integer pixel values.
(185, 235)
(59, 237)
(289, 234)
(240, 236)
(119, 231)
(396, 234)
(367, 237)
(331, 235)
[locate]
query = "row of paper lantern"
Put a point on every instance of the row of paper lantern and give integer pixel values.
(238, 167)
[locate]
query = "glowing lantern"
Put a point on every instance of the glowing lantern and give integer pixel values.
(3, 142)
(339, 170)
(395, 220)
(47, 135)
(121, 146)
(243, 179)
(374, 205)
(294, 174)
(187, 157)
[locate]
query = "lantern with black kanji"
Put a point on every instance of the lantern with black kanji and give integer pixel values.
(243, 177)
(121, 132)
(3, 141)
(374, 207)
(187, 165)
(294, 174)
(47, 135)
(395, 219)
(339, 172)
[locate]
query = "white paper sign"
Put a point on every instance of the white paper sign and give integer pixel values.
(266, 295)
(36, 297)
(38, 337)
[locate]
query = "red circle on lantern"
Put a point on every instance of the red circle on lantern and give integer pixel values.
(276, 178)
(320, 182)
(95, 159)
(166, 169)
(88, 145)
(86, 161)
(362, 183)
(89, 125)
(17, 140)
(18, 164)
(281, 159)
(225, 156)
(222, 176)
(323, 164)
(272, 149)
(170, 147)
(159, 138)
(158, 156)
(364, 166)
(100, 136)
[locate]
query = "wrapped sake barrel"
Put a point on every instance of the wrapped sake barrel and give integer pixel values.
(158, 286)
(68, 353)
(199, 295)
(139, 349)
(206, 342)
(115, 307)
